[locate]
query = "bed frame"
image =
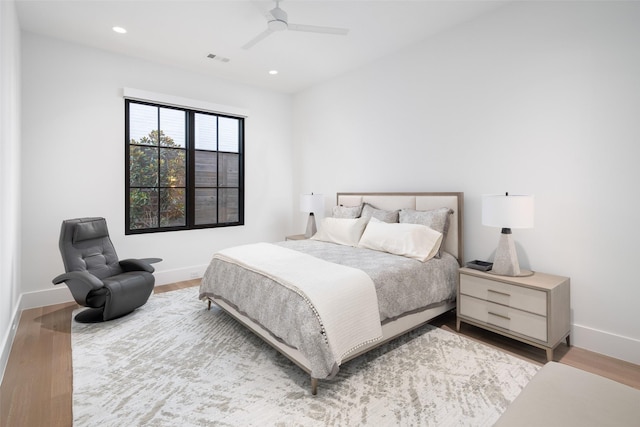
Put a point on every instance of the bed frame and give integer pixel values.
(390, 330)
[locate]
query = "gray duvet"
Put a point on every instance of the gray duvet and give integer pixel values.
(403, 286)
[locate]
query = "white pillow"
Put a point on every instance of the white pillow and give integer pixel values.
(343, 231)
(410, 240)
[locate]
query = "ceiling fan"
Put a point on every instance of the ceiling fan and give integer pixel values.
(277, 21)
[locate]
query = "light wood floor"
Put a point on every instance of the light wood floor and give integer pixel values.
(37, 386)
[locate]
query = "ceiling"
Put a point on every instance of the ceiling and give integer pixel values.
(182, 33)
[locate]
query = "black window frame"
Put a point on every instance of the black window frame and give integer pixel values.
(190, 178)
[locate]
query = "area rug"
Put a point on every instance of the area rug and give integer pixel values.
(173, 363)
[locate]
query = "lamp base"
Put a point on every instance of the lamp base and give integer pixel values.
(311, 226)
(506, 259)
(523, 273)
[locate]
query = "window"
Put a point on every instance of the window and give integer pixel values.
(184, 168)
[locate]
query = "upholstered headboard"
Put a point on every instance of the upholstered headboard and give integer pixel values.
(421, 202)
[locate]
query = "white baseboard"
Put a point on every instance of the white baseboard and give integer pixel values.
(607, 343)
(61, 294)
(8, 340)
(180, 274)
(55, 295)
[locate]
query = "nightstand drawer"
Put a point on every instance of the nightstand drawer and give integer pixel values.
(508, 318)
(514, 296)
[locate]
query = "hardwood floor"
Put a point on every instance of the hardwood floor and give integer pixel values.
(615, 369)
(37, 386)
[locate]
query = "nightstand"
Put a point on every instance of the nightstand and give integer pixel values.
(296, 237)
(533, 309)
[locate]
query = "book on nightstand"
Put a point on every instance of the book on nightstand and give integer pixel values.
(480, 265)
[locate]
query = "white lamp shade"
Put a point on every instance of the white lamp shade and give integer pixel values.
(311, 203)
(507, 211)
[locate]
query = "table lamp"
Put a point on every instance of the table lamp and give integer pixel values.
(311, 203)
(507, 212)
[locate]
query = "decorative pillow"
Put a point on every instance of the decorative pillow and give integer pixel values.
(347, 211)
(343, 231)
(436, 219)
(368, 211)
(410, 240)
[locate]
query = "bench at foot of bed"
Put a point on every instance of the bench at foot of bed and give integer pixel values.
(561, 395)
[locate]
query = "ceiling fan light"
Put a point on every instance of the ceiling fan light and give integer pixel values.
(277, 25)
(279, 17)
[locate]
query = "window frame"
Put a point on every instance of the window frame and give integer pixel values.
(190, 172)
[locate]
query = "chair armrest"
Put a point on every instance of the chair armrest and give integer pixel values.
(136, 265)
(91, 281)
(80, 283)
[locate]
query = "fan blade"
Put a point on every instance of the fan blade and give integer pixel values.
(317, 29)
(257, 38)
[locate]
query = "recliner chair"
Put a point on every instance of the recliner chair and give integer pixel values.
(96, 278)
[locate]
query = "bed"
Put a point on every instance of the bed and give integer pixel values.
(279, 290)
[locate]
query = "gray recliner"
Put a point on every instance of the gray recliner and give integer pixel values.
(96, 278)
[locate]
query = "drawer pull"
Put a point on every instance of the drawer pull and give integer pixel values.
(499, 293)
(500, 316)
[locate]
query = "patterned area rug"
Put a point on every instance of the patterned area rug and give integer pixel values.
(173, 363)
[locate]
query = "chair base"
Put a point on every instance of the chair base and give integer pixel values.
(90, 315)
(95, 315)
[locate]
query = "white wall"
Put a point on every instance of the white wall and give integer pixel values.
(537, 98)
(9, 177)
(73, 160)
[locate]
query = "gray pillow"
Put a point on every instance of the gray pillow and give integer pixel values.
(436, 219)
(347, 212)
(369, 211)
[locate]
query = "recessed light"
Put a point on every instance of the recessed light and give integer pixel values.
(119, 30)
(273, 72)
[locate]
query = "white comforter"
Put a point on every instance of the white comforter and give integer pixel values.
(343, 298)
